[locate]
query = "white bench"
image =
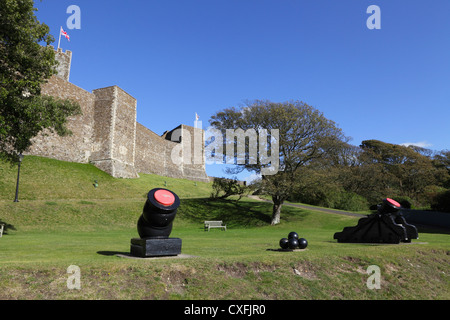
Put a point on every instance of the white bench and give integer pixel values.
(214, 224)
(1, 230)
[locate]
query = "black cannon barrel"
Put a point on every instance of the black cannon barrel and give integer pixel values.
(389, 206)
(155, 225)
(158, 214)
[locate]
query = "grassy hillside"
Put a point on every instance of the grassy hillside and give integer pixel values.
(48, 179)
(72, 223)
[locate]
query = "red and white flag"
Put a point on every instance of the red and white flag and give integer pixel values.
(65, 34)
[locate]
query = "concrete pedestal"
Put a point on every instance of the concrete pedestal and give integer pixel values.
(155, 247)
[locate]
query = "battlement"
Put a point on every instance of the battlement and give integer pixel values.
(64, 62)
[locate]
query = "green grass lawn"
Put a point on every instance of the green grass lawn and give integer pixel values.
(72, 223)
(48, 179)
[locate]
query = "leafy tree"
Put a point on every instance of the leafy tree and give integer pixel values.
(224, 188)
(375, 170)
(24, 66)
(304, 134)
(441, 161)
(407, 172)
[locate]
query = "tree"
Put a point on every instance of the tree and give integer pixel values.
(224, 188)
(303, 135)
(405, 171)
(441, 162)
(24, 66)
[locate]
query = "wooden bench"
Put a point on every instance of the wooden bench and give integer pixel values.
(214, 224)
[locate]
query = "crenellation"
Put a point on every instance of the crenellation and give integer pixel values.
(64, 62)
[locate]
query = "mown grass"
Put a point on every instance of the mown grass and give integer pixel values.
(49, 179)
(45, 235)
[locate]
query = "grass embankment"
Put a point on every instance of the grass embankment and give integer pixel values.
(70, 222)
(48, 179)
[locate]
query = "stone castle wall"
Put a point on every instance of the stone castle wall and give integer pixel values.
(76, 147)
(193, 142)
(154, 154)
(108, 136)
(114, 132)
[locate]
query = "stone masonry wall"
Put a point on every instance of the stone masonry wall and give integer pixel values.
(103, 124)
(171, 155)
(124, 137)
(194, 162)
(114, 133)
(76, 147)
(64, 62)
(154, 154)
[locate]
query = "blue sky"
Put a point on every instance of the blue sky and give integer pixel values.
(181, 57)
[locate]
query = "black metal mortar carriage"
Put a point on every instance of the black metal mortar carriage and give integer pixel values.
(387, 225)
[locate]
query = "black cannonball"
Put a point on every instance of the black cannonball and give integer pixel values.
(293, 243)
(293, 235)
(302, 243)
(284, 243)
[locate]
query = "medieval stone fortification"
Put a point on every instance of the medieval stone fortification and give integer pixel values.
(108, 136)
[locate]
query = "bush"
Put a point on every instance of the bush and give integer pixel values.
(441, 202)
(334, 197)
(352, 202)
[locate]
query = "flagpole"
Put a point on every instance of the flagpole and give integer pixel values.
(59, 41)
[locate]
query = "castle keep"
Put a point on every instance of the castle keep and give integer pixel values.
(108, 136)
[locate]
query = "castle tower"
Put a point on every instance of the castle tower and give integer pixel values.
(114, 137)
(64, 61)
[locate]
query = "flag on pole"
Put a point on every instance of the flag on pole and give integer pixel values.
(62, 32)
(196, 120)
(65, 34)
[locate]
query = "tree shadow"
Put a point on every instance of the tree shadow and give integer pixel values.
(430, 229)
(233, 213)
(7, 227)
(111, 253)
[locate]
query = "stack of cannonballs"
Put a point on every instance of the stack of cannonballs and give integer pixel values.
(293, 242)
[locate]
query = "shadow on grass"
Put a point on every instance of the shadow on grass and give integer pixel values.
(233, 213)
(7, 227)
(431, 229)
(111, 253)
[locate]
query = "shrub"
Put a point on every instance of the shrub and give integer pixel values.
(352, 202)
(441, 201)
(334, 197)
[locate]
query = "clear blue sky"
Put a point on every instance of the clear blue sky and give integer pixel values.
(179, 57)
